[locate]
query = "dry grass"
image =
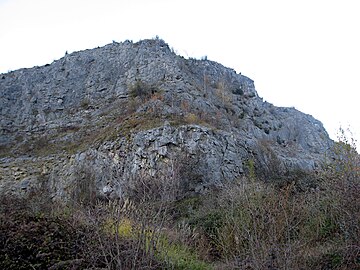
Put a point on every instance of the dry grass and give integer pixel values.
(246, 224)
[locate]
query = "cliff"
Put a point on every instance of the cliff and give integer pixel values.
(96, 121)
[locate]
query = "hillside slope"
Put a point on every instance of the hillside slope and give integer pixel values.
(94, 122)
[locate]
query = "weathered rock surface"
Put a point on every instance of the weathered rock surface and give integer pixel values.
(95, 121)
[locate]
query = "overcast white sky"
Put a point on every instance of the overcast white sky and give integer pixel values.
(300, 53)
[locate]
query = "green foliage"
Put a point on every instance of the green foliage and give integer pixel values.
(210, 222)
(328, 228)
(251, 169)
(123, 228)
(268, 225)
(180, 257)
(186, 207)
(335, 260)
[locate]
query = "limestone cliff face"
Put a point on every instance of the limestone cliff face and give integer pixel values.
(126, 111)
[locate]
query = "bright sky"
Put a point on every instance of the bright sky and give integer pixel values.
(300, 53)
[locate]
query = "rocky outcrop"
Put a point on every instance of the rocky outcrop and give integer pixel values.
(95, 121)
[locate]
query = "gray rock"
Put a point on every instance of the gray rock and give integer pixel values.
(95, 121)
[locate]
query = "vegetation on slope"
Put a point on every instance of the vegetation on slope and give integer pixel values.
(246, 224)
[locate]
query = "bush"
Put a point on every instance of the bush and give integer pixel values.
(39, 241)
(142, 90)
(71, 238)
(245, 224)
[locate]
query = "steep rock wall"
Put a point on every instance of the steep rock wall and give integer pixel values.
(131, 111)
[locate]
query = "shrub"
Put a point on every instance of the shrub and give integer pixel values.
(245, 224)
(264, 226)
(142, 90)
(85, 103)
(191, 118)
(31, 240)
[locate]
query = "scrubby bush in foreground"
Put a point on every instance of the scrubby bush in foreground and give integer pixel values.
(246, 224)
